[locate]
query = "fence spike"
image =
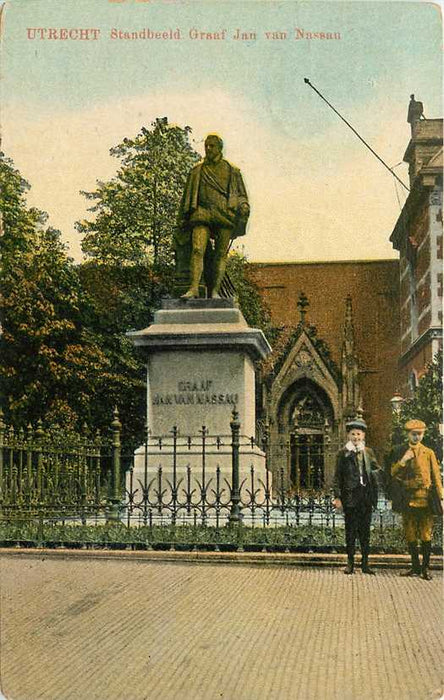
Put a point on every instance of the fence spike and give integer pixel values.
(39, 433)
(116, 424)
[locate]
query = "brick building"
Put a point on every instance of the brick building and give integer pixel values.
(338, 350)
(418, 238)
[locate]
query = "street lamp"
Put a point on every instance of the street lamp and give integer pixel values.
(396, 402)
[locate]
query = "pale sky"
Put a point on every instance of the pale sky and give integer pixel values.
(316, 192)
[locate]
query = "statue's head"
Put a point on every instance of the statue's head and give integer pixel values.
(415, 431)
(213, 147)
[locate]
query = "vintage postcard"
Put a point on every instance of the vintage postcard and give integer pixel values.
(250, 193)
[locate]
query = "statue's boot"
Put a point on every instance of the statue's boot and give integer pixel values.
(190, 294)
(220, 272)
(426, 548)
(350, 568)
(415, 568)
(196, 274)
(364, 565)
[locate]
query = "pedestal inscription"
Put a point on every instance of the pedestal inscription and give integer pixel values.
(200, 358)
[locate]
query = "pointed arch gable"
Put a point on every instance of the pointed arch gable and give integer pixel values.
(298, 393)
(304, 361)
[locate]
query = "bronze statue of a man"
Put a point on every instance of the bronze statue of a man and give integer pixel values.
(214, 206)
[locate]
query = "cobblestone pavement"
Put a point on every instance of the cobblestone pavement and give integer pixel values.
(131, 630)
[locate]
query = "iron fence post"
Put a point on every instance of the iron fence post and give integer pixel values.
(29, 444)
(145, 474)
(235, 516)
(96, 472)
(266, 450)
(2, 443)
(145, 456)
(39, 435)
(114, 500)
(203, 490)
(174, 489)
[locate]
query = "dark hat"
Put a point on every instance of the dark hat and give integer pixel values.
(357, 424)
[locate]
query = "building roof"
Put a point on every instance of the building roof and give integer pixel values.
(323, 262)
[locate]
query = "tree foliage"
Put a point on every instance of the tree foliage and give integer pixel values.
(41, 309)
(256, 312)
(55, 365)
(135, 212)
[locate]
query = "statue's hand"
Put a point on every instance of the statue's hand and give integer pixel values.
(244, 209)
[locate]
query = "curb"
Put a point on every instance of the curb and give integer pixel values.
(384, 561)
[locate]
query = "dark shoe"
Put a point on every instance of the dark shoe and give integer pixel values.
(411, 572)
(350, 568)
(364, 564)
(415, 568)
(426, 548)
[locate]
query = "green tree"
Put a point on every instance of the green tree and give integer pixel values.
(256, 312)
(122, 298)
(53, 366)
(135, 212)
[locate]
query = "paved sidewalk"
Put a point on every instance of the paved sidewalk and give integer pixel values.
(131, 630)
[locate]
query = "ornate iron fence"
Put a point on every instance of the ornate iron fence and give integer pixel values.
(47, 473)
(176, 491)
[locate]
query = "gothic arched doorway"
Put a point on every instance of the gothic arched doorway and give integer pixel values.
(306, 418)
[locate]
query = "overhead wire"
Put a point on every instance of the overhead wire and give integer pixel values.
(307, 82)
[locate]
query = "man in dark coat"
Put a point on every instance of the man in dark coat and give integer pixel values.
(214, 206)
(356, 491)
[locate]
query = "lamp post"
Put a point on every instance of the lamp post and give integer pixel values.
(396, 402)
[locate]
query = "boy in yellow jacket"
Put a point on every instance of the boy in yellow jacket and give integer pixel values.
(417, 469)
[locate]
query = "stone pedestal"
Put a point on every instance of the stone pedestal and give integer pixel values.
(200, 366)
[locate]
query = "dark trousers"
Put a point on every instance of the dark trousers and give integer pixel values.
(357, 525)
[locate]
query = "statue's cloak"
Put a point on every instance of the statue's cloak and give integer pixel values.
(231, 218)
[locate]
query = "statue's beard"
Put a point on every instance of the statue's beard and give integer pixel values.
(213, 159)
